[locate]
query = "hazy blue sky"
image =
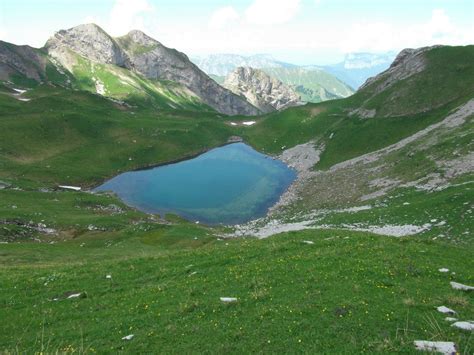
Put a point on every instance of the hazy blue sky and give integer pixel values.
(299, 31)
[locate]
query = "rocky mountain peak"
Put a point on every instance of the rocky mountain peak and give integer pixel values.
(140, 37)
(89, 41)
(407, 63)
(263, 91)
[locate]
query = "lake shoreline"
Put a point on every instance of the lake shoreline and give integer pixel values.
(226, 185)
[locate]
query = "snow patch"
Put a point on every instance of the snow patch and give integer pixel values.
(67, 187)
(20, 91)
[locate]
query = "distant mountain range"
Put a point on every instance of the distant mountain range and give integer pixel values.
(313, 84)
(221, 65)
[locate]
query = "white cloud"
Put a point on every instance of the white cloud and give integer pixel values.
(127, 15)
(269, 12)
(223, 17)
(93, 19)
(439, 26)
(381, 36)
(3, 34)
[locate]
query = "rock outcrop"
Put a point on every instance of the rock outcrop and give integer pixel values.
(89, 41)
(407, 63)
(261, 90)
(23, 60)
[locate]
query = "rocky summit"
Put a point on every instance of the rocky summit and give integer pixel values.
(264, 92)
(89, 41)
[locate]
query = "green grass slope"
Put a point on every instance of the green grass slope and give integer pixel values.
(87, 138)
(377, 294)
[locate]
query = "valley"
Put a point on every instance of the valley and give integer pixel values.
(382, 202)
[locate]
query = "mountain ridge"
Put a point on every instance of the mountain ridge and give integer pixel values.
(125, 65)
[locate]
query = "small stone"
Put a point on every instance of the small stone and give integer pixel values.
(228, 299)
(128, 337)
(467, 325)
(458, 286)
(444, 347)
(445, 310)
(450, 319)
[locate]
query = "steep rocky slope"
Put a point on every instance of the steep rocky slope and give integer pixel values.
(27, 64)
(155, 61)
(263, 91)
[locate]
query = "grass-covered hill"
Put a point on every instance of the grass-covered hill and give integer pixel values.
(312, 84)
(394, 156)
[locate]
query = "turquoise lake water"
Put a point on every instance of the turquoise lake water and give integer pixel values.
(227, 185)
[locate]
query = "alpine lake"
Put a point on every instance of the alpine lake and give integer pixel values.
(227, 185)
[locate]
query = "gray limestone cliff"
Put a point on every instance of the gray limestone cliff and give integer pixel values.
(264, 92)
